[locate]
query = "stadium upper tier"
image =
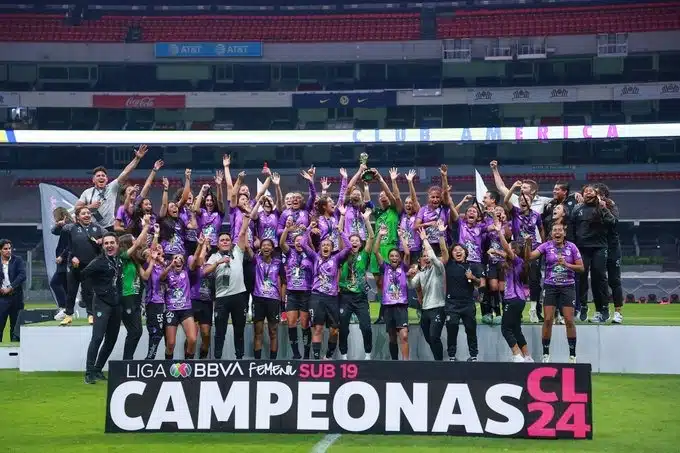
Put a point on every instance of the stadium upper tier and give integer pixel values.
(347, 27)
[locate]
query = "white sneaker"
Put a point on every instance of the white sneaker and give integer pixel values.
(572, 359)
(61, 314)
(559, 320)
(343, 356)
(367, 356)
(533, 317)
(618, 318)
(518, 358)
(546, 358)
(528, 359)
(597, 318)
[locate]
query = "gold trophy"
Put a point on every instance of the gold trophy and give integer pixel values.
(367, 175)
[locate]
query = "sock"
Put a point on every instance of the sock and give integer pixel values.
(495, 302)
(546, 345)
(331, 350)
(316, 348)
(258, 354)
(572, 346)
(273, 355)
(293, 336)
(533, 306)
(394, 351)
(306, 340)
(168, 356)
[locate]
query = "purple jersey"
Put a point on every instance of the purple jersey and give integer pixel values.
(190, 234)
(428, 214)
(175, 244)
(155, 289)
(494, 243)
(267, 225)
(555, 273)
(123, 216)
(470, 237)
(514, 288)
(299, 269)
(178, 291)
(395, 285)
(354, 221)
(326, 270)
(200, 286)
(267, 278)
(328, 226)
(236, 219)
(407, 224)
(210, 224)
(300, 217)
(524, 225)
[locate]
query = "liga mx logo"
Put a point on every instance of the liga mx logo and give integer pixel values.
(182, 370)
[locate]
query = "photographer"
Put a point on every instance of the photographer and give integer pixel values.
(102, 197)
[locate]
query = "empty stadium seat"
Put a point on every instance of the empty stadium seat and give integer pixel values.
(560, 21)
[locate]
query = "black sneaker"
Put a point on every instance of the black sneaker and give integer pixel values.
(296, 355)
(98, 376)
(453, 359)
(605, 315)
(90, 379)
(472, 358)
(583, 314)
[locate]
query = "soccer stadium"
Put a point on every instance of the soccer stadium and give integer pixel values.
(306, 225)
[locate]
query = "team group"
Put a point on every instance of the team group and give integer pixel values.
(310, 260)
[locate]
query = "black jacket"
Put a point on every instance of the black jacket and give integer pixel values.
(104, 275)
(613, 238)
(82, 241)
(62, 247)
(16, 270)
(591, 225)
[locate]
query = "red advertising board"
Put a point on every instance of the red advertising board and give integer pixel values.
(139, 101)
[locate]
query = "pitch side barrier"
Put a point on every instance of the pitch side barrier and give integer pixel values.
(535, 401)
(343, 136)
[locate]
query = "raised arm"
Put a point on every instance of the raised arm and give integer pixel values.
(196, 262)
(141, 239)
(242, 235)
(370, 234)
(139, 154)
(199, 198)
(376, 246)
(412, 190)
(149, 179)
(504, 242)
(444, 173)
(164, 200)
(355, 179)
(186, 191)
(276, 180)
(398, 203)
(466, 199)
(284, 235)
(342, 194)
(403, 237)
(263, 189)
(219, 177)
(309, 176)
(497, 179)
(231, 193)
(507, 199)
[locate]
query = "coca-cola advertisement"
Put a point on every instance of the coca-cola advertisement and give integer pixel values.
(139, 101)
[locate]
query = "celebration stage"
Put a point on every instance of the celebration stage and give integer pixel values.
(609, 349)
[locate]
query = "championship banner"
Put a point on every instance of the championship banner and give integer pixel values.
(52, 197)
(535, 401)
(373, 99)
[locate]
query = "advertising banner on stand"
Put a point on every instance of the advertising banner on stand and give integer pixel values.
(368, 397)
(139, 101)
(373, 99)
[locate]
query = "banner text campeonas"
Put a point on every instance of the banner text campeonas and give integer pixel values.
(484, 399)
